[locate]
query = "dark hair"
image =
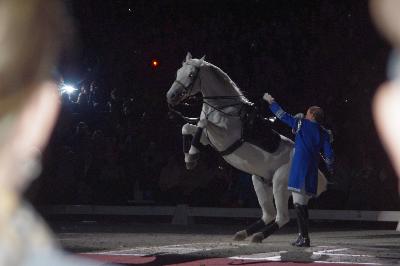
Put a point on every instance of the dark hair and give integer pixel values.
(318, 113)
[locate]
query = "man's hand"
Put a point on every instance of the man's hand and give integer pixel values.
(267, 97)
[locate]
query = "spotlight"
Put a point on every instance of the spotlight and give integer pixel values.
(155, 63)
(68, 89)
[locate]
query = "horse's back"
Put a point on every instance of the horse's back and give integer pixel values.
(254, 160)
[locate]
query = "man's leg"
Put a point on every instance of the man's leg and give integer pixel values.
(300, 201)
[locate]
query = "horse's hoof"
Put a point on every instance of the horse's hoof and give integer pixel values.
(257, 237)
(191, 165)
(193, 157)
(241, 235)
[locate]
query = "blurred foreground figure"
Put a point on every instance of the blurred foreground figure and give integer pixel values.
(30, 38)
(386, 104)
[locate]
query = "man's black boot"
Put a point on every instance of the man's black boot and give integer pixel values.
(303, 239)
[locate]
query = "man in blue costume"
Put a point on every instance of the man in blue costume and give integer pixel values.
(310, 139)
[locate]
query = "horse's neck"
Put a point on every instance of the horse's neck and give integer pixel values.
(214, 83)
(218, 90)
(224, 125)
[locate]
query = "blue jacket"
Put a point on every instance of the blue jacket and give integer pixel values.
(310, 139)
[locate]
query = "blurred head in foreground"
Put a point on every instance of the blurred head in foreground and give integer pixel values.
(386, 103)
(31, 32)
(30, 36)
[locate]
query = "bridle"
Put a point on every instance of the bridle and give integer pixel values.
(187, 90)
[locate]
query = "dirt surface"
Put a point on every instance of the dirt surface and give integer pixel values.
(356, 243)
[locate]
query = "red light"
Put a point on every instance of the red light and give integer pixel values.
(155, 63)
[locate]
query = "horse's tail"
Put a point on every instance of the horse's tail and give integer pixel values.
(322, 183)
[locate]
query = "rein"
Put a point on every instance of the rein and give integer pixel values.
(224, 97)
(220, 109)
(190, 120)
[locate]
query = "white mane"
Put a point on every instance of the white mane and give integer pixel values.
(196, 62)
(221, 76)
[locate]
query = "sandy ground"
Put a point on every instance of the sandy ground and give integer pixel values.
(355, 243)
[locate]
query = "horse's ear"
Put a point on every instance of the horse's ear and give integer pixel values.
(201, 60)
(188, 56)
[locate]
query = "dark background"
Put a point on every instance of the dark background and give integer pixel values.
(118, 146)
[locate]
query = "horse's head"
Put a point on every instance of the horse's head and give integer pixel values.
(184, 84)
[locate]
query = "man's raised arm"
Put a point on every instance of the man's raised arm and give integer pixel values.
(279, 112)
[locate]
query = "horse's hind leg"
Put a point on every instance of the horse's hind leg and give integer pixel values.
(263, 189)
(281, 195)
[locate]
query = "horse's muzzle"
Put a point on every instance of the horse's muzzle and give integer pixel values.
(172, 101)
(175, 95)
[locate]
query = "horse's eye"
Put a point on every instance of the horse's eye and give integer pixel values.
(191, 75)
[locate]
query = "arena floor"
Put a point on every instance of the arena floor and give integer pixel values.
(151, 243)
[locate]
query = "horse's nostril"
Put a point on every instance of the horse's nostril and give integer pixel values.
(171, 95)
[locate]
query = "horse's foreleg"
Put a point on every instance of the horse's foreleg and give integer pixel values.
(195, 147)
(195, 144)
(263, 189)
(188, 131)
(192, 138)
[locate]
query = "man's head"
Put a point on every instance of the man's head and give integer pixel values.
(315, 113)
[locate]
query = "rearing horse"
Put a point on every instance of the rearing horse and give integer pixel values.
(220, 125)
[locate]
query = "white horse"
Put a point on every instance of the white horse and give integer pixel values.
(220, 125)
